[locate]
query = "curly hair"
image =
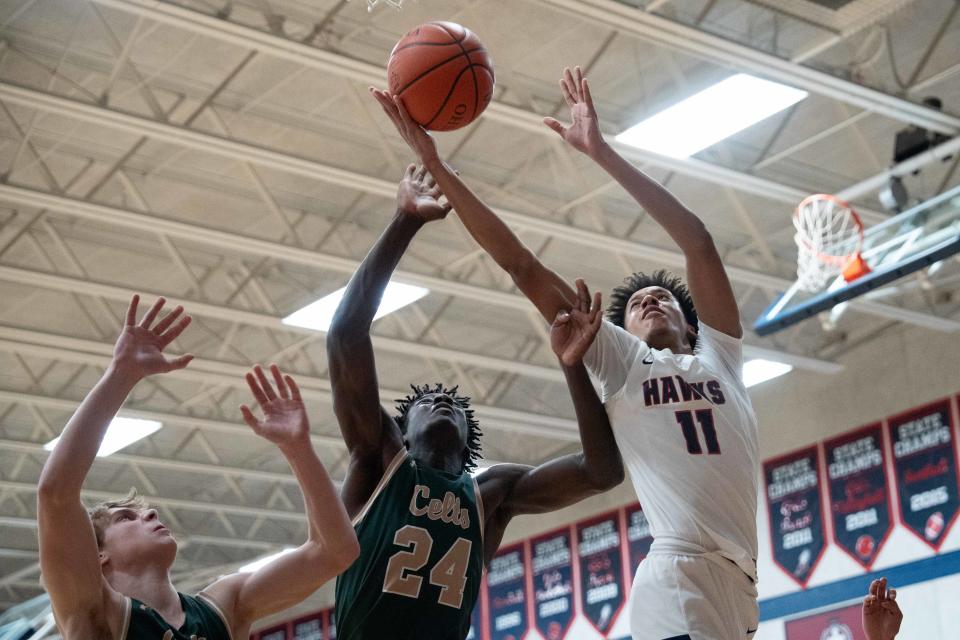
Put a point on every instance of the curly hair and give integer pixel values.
(473, 453)
(616, 311)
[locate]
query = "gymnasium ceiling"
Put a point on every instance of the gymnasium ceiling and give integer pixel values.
(226, 155)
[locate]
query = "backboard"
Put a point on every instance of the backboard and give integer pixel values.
(913, 240)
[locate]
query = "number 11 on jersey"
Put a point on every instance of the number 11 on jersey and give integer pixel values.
(705, 418)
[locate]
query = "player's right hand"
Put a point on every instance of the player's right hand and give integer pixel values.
(138, 352)
(881, 613)
(583, 133)
(418, 195)
(573, 331)
(284, 420)
(416, 137)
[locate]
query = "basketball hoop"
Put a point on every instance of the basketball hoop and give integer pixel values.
(829, 237)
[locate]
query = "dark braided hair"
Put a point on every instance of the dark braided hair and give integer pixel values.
(616, 311)
(473, 453)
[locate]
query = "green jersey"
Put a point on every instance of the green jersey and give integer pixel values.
(421, 557)
(204, 621)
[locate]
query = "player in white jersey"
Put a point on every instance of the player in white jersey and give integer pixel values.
(673, 388)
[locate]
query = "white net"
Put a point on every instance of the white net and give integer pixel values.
(829, 234)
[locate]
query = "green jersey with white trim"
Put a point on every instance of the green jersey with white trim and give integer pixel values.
(421, 557)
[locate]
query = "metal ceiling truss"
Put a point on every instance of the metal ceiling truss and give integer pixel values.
(235, 150)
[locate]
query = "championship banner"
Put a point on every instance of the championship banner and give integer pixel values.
(507, 595)
(797, 529)
(925, 468)
(639, 537)
(277, 633)
(476, 617)
(552, 569)
(859, 499)
(331, 624)
(839, 624)
(601, 570)
(309, 627)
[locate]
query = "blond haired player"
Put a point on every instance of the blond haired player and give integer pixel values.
(108, 572)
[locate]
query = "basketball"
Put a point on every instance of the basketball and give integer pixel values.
(443, 74)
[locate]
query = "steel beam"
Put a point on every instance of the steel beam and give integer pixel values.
(371, 74)
(717, 50)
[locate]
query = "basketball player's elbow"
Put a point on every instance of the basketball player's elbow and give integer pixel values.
(333, 557)
(604, 475)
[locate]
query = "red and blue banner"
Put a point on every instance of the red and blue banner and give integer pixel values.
(552, 573)
(839, 624)
(331, 624)
(600, 564)
(797, 529)
(276, 633)
(507, 594)
(857, 485)
(639, 537)
(309, 627)
(925, 467)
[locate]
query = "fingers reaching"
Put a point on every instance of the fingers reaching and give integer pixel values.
(179, 363)
(280, 382)
(294, 389)
(255, 389)
(131, 318)
(174, 332)
(249, 418)
(554, 124)
(596, 311)
(265, 385)
(168, 320)
(151, 315)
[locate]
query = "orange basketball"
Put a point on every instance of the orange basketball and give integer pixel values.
(443, 74)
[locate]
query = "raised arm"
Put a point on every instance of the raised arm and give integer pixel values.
(545, 289)
(517, 489)
(69, 562)
(706, 277)
(331, 544)
(371, 435)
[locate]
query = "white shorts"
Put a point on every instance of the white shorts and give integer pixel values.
(692, 596)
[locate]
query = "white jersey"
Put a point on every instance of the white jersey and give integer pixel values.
(687, 433)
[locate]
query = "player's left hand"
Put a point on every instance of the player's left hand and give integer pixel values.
(284, 420)
(573, 331)
(416, 137)
(583, 134)
(881, 613)
(418, 195)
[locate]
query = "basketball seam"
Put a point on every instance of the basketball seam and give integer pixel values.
(453, 86)
(466, 32)
(435, 67)
(473, 74)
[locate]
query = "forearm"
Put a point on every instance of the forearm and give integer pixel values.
(70, 461)
(601, 456)
(540, 285)
(328, 524)
(365, 289)
(683, 226)
(490, 232)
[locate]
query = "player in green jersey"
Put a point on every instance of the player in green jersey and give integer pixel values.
(108, 571)
(426, 527)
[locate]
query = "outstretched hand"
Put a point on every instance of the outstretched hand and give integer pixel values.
(583, 134)
(881, 613)
(284, 415)
(418, 195)
(416, 137)
(138, 352)
(573, 331)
